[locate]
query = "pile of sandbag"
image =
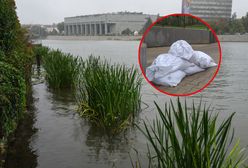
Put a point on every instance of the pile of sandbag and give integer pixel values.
(170, 68)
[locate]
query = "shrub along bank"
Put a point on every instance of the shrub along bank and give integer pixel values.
(16, 60)
(12, 98)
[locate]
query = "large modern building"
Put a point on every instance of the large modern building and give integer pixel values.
(105, 24)
(208, 10)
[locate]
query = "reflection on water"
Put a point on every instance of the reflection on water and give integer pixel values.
(229, 89)
(64, 140)
(20, 152)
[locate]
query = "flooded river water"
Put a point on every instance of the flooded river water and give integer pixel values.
(55, 137)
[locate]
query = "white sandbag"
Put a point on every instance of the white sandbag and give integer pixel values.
(193, 69)
(169, 69)
(165, 64)
(172, 79)
(202, 60)
(155, 71)
(181, 49)
(150, 72)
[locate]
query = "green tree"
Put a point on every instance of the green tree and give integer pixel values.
(13, 39)
(9, 26)
(245, 22)
(222, 26)
(147, 24)
(61, 27)
(232, 25)
(127, 31)
(236, 25)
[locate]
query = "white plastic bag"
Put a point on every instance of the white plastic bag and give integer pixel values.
(172, 79)
(193, 69)
(150, 72)
(169, 69)
(165, 64)
(181, 49)
(155, 71)
(202, 60)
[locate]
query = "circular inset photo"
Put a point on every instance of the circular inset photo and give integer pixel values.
(179, 54)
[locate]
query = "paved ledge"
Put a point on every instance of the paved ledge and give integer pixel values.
(95, 38)
(233, 38)
(190, 83)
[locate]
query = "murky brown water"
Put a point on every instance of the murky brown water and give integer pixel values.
(55, 137)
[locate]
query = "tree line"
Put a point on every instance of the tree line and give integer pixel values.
(231, 26)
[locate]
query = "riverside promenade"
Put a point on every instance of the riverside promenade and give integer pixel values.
(190, 83)
(95, 38)
(222, 38)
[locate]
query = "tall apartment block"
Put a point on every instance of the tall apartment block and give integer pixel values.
(208, 10)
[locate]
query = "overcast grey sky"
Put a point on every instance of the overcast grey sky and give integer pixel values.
(54, 11)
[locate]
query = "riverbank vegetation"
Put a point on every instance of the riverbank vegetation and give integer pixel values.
(61, 69)
(12, 98)
(183, 137)
(16, 59)
(108, 95)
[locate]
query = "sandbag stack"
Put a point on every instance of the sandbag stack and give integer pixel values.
(170, 68)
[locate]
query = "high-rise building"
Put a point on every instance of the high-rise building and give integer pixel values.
(208, 10)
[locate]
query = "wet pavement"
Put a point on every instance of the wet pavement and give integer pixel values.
(194, 82)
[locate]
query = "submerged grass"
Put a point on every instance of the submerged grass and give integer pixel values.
(184, 138)
(108, 95)
(61, 69)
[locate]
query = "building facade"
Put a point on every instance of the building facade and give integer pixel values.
(209, 10)
(105, 24)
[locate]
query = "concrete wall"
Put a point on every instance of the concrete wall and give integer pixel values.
(165, 36)
(143, 57)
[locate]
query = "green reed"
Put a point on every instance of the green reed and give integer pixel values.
(183, 138)
(61, 69)
(108, 95)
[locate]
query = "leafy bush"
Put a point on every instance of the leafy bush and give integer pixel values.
(41, 50)
(191, 138)
(127, 31)
(9, 25)
(15, 70)
(61, 69)
(12, 98)
(108, 95)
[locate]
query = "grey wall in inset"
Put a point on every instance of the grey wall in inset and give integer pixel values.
(143, 59)
(165, 36)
